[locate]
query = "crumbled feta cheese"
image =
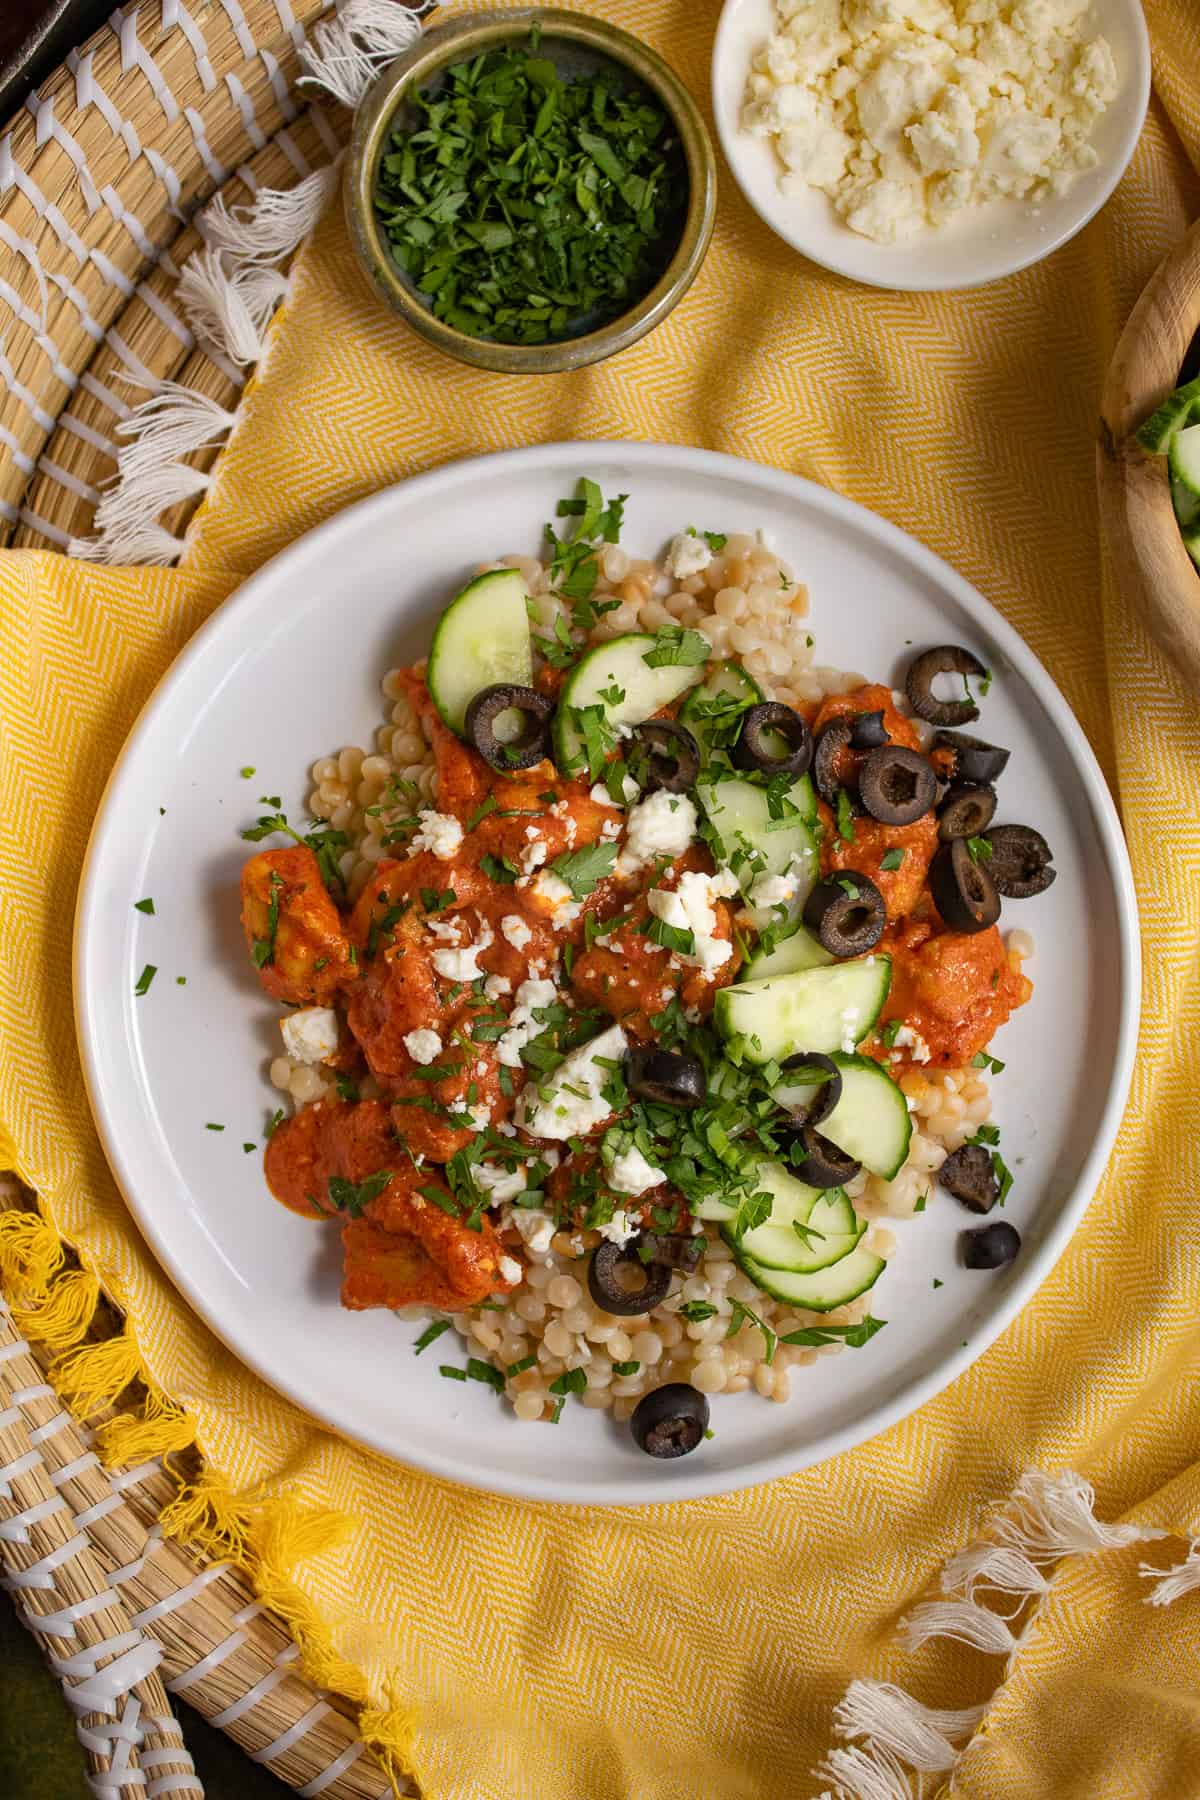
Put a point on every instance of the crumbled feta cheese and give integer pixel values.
(496, 986)
(907, 1038)
(689, 554)
(438, 832)
(521, 1023)
(515, 930)
(610, 831)
(499, 1182)
(660, 825)
(310, 1035)
(536, 1227)
(448, 930)
(571, 1101)
(463, 965)
(689, 907)
(424, 1046)
(906, 111)
(849, 1024)
(510, 1270)
(564, 908)
(533, 855)
(620, 1228)
(631, 1173)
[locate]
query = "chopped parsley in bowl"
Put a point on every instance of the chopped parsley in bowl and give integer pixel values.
(531, 199)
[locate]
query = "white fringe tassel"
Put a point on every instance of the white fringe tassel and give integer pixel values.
(229, 291)
(1046, 1518)
(346, 54)
(1173, 1584)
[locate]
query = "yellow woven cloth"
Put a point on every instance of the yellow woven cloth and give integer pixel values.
(698, 1649)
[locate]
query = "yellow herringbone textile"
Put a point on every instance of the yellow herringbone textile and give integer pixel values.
(696, 1650)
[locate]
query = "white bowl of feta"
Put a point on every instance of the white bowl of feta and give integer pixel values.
(929, 144)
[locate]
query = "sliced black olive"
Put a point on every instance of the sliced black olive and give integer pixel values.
(665, 755)
(820, 1081)
(669, 1077)
(868, 731)
(963, 891)
(846, 912)
(896, 785)
(819, 1162)
(673, 1249)
(670, 1420)
(947, 659)
(974, 761)
(830, 745)
(968, 1175)
(991, 1246)
(774, 740)
(965, 812)
(621, 1283)
(531, 742)
(1020, 861)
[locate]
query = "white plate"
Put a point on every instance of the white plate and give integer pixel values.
(289, 668)
(981, 244)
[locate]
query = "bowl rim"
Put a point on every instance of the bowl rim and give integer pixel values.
(923, 280)
(431, 51)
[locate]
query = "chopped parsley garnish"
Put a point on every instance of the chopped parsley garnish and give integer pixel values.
(249, 1147)
(144, 906)
(451, 1373)
(147, 975)
(499, 869)
(478, 1370)
(844, 818)
(263, 952)
(695, 1311)
(989, 1136)
(890, 1032)
(247, 771)
(274, 1122)
(325, 843)
(490, 805)
(742, 1315)
(981, 1060)
(979, 849)
(716, 540)
(592, 724)
(922, 1200)
(571, 1381)
(560, 650)
(181, 981)
(436, 900)
(678, 938)
(519, 1368)
(937, 1283)
(892, 859)
(211, 1127)
(855, 1336)
(347, 1087)
(350, 1198)
(430, 1335)
(675, 645)
(626, 1368)
(582, 869)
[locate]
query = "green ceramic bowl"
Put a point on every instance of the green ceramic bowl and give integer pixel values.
(574, 43)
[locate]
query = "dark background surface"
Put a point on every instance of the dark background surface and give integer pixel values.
(35, 36)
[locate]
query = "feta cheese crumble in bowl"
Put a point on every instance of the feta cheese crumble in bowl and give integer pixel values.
(929, 144)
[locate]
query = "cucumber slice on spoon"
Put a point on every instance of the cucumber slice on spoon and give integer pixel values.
(481, 639)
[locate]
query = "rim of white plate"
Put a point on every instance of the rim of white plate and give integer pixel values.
(686, 1482)
(855, 263)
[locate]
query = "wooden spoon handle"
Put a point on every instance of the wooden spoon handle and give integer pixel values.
(1154, 571)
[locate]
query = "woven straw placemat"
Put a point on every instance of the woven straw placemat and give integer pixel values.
(104, 177)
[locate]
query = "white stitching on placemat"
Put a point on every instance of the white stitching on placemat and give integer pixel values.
(63, 1622)
(99, 391)
(245, 106)
(283, 1743)
(175, 13)
(188, 1677)
(70, 292)
(35, 522)
(26, 466)
(88, 92)
(13, 175)
(47, 127)
(74, 484)
(130, 221)
(294, 153)
(15, 1530)
(160, 1608)
(134, 364)
(41, 1573)
(134, 55)
(345, 1759)
(217, 173)
(8, 376)
(165, 315)
(229, 1715)
(241, 30)
(279, 85)
(128, 1571)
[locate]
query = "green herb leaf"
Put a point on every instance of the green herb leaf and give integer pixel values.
(844, 817)
(979, 849)
(499, 869)
(350, 1198)
(478, 1370)
(673, 645)
(451, 1373)
(694, 1311)
(981, 1060)
(571, 1381)
(142, 986)
(892, 858)
(855, 1336)
(742, 1315)
(583, 869)
(432, 1332)
(626, 1368)
(143, 906)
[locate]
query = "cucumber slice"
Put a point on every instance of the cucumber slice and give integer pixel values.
(753, 844)
(482, 638)
(1160, 428)
(825, 1289)
(871, 1120)
(1187, 505)
(814, 1009)
(1184, 458)
(618, 667)
(700, 712)
(831, 1229)
(799, 950)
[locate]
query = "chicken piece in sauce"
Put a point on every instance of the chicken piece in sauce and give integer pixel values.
(406, 1250)
(293, 929)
